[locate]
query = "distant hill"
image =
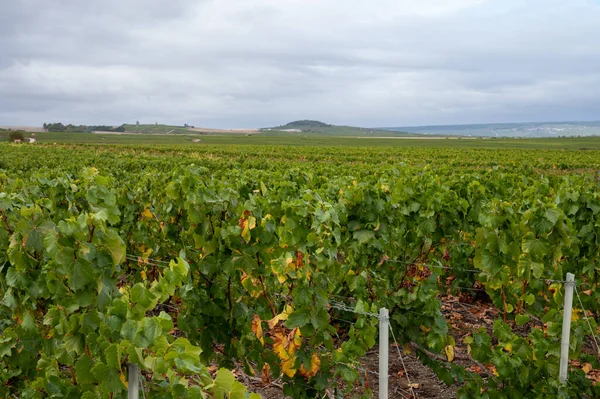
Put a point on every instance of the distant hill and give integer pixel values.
(305, 124)
(530, 130)
(304, 127)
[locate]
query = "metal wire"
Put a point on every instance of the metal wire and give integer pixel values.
(402, 361)
(434, 266)
(146, 262)
(555, 281)
(346, 308)
(139, 258)
(141, 377)
(588, 320)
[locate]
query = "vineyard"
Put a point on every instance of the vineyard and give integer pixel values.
(200, 264)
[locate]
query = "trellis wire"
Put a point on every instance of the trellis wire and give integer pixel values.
(346, 308)
(434, 266)
(142, 384)
(587, 320)
(402, 361)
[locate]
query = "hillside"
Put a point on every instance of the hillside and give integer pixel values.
(303, 127)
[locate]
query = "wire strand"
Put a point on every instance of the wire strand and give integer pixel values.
(588, 320)
(141, 377)
(402, 361)
(434, 266)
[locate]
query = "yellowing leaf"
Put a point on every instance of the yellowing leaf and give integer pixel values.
(449, 349)
(251, 285)
(296, 341)
(288, 367)
(281, 316)
(285, 345)
(280, 345)
(587, 367)
(493, 370)
(147, 213)
(315, 363)
(143, 274)
(246, 231)
(257, 328)
(123, 379)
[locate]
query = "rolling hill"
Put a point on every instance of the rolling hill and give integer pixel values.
(310, 127)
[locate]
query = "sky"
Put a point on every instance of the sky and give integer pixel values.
(260, 63)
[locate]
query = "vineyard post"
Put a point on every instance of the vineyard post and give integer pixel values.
(384, 346)
(566, 328)
(134, 382)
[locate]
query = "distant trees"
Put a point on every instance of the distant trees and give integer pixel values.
(16, 136)
(59, 127)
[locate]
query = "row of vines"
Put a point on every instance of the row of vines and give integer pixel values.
(180, 260)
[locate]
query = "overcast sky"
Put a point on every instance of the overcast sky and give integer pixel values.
(257, 63)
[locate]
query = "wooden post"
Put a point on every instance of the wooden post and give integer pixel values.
(133, 390)
(384, 347)
(566, 328)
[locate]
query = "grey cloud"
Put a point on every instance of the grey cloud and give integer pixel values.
(241, 63)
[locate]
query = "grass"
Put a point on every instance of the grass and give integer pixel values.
(578, 143)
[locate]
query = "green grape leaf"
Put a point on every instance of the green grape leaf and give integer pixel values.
(363, 236)
(83, 369)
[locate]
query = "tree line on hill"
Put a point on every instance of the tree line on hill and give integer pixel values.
(59, 127)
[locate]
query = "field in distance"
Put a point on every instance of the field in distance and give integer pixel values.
(576, 143)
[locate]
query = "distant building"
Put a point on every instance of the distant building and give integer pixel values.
(17, 141)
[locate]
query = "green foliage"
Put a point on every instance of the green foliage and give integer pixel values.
(59, 127)
(259, 243)
(14, 135)
(75, 322)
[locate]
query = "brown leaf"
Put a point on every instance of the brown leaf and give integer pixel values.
(587, 367)
(383, 259)
(257, 328)
(474, 369)
(266, 374)
(457, 315)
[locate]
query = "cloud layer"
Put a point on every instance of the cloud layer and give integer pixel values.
(254, 63)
